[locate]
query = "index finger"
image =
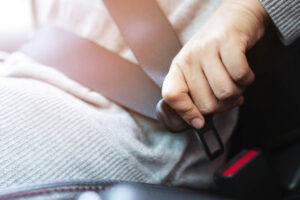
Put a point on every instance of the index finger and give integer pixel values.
(175, 92)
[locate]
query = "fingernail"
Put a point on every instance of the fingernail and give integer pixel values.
(197, 123)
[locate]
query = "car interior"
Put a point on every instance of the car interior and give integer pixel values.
(263, 161)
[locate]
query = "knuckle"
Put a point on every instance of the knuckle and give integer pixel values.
(170, 96)
(210, 42)
(183, 60)
(208, 108)
(244, 76)
(175, 60)
(187, 59)
(204, 48)
(226, 93)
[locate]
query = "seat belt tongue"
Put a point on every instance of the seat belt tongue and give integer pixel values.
(210, 139)
(208, 136)
(169, 118)
(247, 176)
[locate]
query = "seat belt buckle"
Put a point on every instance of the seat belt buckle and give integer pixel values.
(248, 176)
(210, 139)
(208, 136)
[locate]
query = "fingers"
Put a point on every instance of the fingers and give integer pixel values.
(219, 80)
(210, 87)
(176, 93)
(206, 80)
(211, 71)
(199, 88)
(234, 58)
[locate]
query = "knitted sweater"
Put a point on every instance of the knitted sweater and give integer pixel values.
(285, 14)
(52, 128)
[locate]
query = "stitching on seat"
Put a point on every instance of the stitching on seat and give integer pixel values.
(52, 190)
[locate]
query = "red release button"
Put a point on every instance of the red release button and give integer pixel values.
(238, 164)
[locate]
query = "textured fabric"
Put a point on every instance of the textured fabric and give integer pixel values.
(286, 16)
(44, 138)
(53, 128)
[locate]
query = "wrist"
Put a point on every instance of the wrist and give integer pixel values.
(253, 14)
(261, 12)
(254, 7)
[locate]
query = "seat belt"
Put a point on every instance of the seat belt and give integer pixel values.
(148, 33)
(116, 78)
(142, 24)
(95, 67)
(154, 43)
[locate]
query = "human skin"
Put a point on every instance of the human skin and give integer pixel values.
(211, 71)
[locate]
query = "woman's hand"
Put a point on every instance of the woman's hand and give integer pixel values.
(211, 71)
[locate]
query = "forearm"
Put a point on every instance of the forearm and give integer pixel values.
(285, 14)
